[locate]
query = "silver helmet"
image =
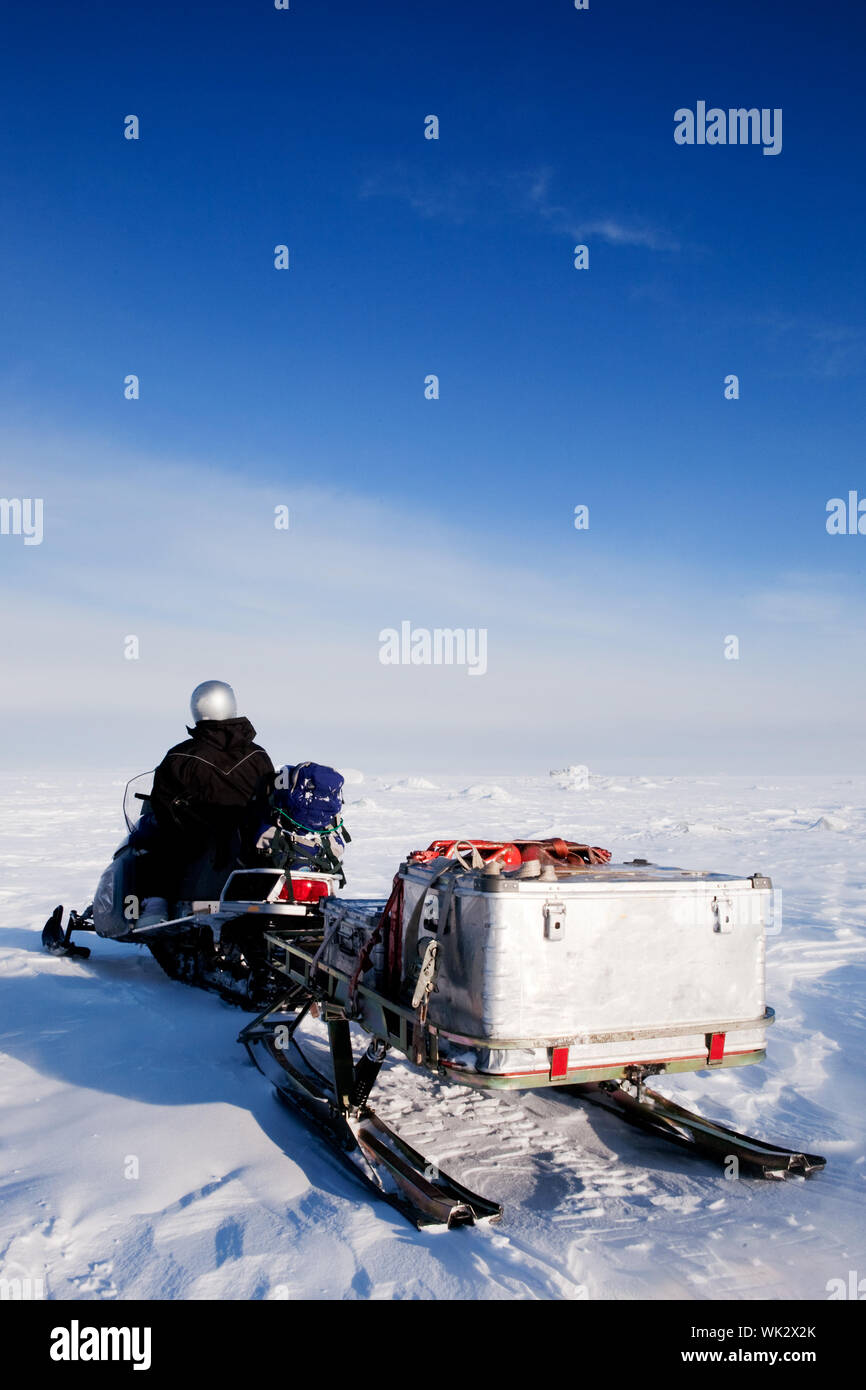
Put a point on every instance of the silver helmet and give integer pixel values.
(213, 700)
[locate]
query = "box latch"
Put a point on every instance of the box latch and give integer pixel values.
(723, 915)
(715, 1048)
(554, 921)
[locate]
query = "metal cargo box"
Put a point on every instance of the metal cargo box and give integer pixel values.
(533, 976)
(620, 963)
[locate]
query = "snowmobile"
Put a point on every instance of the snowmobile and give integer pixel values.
(523, 964)
(214, 936)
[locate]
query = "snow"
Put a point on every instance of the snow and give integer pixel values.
(145, 1157)
(484, 792)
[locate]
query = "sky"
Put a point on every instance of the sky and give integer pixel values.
(558, 387)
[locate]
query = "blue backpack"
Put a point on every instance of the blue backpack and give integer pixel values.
(309, 796)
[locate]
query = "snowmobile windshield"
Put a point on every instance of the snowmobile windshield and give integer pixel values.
(138, 789)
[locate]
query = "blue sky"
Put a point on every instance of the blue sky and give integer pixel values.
(452, 257)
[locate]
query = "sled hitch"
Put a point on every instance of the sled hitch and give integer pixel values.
(635, 1078)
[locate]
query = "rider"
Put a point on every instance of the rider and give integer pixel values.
(209, 798)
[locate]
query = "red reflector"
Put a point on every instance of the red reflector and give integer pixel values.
(717, 1047)
(559, 1063)
(304, 890)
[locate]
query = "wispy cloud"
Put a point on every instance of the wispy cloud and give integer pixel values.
(187, 559)
(617, 231)
(826, 349)
(458, 198)
(453, 197)
(809, 600)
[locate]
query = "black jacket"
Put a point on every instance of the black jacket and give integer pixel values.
(214, 783)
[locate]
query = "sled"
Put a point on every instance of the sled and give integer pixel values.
(464, 971)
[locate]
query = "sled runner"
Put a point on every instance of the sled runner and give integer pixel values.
(337, 1107)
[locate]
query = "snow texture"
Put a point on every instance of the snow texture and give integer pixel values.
(144, 1155)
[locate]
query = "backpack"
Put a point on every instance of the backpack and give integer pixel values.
(309, 796)
(307, 802)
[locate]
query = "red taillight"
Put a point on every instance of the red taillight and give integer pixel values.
(304, 890)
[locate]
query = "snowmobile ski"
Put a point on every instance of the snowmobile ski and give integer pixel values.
(60, 943)
(338, 1109)
(654, 1112)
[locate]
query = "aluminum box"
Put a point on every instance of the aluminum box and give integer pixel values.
(573, 975)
